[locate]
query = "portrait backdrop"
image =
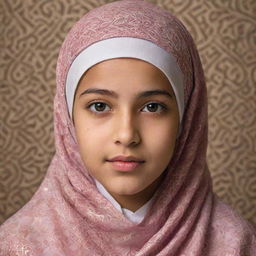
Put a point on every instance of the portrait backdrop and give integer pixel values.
(31, 35)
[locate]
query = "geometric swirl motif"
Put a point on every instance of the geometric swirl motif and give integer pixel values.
(31, 35)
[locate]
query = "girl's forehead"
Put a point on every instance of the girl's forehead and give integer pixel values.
(125, 74)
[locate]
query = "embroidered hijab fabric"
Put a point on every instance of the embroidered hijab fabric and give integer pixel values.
(68, 216)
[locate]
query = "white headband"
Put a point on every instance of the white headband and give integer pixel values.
(129, 47)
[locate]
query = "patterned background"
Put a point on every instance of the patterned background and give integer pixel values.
(31, 34)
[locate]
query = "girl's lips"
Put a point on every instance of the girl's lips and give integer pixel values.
(125, 166)
(123, 158)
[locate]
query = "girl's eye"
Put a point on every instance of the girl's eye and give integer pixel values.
(153, 107)
(98, 107)
(101, 107)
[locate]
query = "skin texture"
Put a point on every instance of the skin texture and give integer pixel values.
(126, 125)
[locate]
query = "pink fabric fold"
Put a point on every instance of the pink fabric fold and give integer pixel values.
(68, 216)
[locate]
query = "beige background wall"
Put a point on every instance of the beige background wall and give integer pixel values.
(31, 34)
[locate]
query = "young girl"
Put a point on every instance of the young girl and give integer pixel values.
(129, 176)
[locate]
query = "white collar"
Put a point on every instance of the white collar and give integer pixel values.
(136, 216)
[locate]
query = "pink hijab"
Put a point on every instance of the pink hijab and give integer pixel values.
(68, 216)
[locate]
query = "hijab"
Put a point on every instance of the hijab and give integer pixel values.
(69, 216)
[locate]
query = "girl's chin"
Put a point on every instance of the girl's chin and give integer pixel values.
(124, 191)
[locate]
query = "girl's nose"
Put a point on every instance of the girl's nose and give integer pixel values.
(126, 131)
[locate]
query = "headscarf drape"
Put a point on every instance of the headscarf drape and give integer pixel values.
(68, 216)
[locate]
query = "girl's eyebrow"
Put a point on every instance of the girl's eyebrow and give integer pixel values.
(115, 95)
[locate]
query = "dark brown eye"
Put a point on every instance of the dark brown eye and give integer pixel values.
(98, 107)
(154, 107)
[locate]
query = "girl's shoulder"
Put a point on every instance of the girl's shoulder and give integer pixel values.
(230, 230)
(14, 233)
(226, 216)
(22, 232)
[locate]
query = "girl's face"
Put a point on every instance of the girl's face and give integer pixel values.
(126, 107)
